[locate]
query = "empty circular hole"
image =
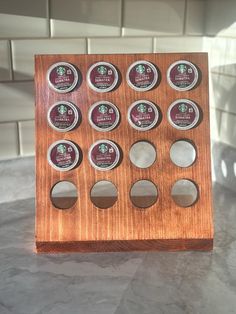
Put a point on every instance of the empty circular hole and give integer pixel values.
(143, 194)
(183, 153)
(142, 154)
(103, 194)
(64, 195)
(184, 193)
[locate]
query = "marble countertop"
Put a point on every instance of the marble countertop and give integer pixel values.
(116, 283)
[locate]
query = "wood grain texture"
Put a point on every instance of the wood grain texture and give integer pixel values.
(163, 226)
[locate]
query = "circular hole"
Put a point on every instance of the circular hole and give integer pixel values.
(64, 195)
(143, 194)
(184, 193)
(103, 194)
(183, 153)
(142, 154)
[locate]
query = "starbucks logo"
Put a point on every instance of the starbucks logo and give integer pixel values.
(103, 148)
(142, 108)
(61, 149)
(182, 68)
(102, 109)
(102, 70)
(61, 71)
(140, 69)
(183, 108)
(62, 109)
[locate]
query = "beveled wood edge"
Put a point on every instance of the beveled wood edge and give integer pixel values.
(125, 245)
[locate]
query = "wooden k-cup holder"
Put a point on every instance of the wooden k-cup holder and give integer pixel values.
(99, 118)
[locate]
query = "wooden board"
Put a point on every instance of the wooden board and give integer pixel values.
(163, 226)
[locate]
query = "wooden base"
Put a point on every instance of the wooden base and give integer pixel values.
(118, 246)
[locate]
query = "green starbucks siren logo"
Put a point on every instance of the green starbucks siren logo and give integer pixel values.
(183, 108)
(103, 148)
(182, 68)
(142, 108)
(140, 69)
(102, 70)
(62, 109)
(102, 109)
(61, 70)
(61, 149)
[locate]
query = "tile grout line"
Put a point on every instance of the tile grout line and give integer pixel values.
(48, 19)
(220, 123)
(11, 60)
(22, 120)
(154, 44)
(87, 43)
(204, 19)
(18, 138)
(222, 74)
(185, 17)
(122, 18)
(17, 81)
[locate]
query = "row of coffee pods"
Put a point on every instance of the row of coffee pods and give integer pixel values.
(141, 75)
(142, 115)
(64, 155)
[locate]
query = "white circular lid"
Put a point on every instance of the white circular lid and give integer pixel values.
(101, 103)
(192, 85)
(114, 146)
(156, 112)
(145, 88)
(77, 155)
(196, 110)
(113, 85)
(76, 113)
(73, 85)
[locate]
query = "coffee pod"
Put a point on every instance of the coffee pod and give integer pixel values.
(104, 155)
(62, 77)
(102, 77)
(143, 115)
(142, 76)
(183, 114)
(63, 116)
(103, 116)
(182, 75)
(63, 155)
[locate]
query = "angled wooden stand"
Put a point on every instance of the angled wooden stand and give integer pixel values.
(163, 226)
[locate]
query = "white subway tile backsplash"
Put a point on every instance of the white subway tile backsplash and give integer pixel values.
(215, 119)
(17, 101)
(24, 51)
(153, 17)
(195, 17)
(228, 129)
(222, 54)
(26, 132)
(223, 92)
(61, 28)
(24, 18)
(120, 45)
(79, 18)
(179, 44)
(220, 17)
(145, 26)
(5, 64)
(8, 140)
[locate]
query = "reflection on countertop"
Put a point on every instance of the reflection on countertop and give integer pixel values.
(145, 283)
